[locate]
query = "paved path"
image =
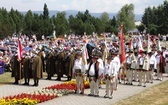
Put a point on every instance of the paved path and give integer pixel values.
(124, 91)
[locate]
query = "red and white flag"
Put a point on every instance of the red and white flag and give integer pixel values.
(85, 53)
(131, 44)
(140, 48)
(19, 50)
(149, 44)
(122, 45)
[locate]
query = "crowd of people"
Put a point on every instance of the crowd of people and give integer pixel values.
(86, 57)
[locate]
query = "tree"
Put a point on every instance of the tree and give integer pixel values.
(141, 27)
(61, 23)
(29, 22)
(104, 17)
(126, 17)
(45, 12)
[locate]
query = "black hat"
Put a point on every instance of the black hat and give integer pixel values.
(129, 51)
(79, 53)
(96, 53)
(163, 47)
(109, 58)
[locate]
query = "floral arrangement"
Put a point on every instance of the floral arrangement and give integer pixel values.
(42, 95)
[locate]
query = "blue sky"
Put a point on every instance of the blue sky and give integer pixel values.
(96, 6)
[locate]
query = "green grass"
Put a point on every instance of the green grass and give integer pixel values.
(6, 78)
(156, 95)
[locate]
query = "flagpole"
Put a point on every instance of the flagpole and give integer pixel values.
(122, 50)
(19, 59)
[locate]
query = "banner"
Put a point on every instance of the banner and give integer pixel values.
(122, 45)
(19, 50)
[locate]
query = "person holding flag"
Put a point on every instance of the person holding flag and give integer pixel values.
(16, 64)
(122, 55)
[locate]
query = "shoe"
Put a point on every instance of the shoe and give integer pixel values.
(35, 84)
(119, 82)
(26, 84)
(58, 79)
(151, 82)
(106, 96)
(139, 85)
(96, 95)
(15, 83)
(131, 84)
(110, 97)
(161, 79)
(48, 78)
(134, 80)
(144, 86)
(90, 95)
(81, 92)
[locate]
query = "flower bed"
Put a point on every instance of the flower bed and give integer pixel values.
(42, 95)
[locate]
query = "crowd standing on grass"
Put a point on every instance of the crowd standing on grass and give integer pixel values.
(86, 57)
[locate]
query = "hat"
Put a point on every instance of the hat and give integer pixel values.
(150, 53)
(96, 53)
(129, 51)
(102, 44)
(113, 52)
(163, 47)
(78, 49)
(79, 53)
(109, 58)
(141, 51)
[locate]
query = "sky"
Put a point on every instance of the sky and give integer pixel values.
(94, 6)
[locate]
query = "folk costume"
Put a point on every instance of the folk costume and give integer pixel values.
(79, 68)
(129, 60)
(93, 73)
(109, 77)
(152, 65)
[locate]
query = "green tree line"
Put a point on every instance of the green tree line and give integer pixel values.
(154, 20)
(41, 24)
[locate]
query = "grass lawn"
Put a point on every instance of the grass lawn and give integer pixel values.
(6, 78)
(156, 95)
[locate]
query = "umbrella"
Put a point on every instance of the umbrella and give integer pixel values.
(2, 49)
(9, 43)
(27, 48)
(44, 45)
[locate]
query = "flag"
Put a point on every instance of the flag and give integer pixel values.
(140, 48)
(85, 53)
(122, 45)
(131, 44)
(159, 46)
(149, 44)
(19, 50)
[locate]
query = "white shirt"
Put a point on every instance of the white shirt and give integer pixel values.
(152, 60)
(92, 69)
(158, 59)
(108, 69)
(129, 59)
(78, 64)
(101, 66)
(116, 62)
(141, 60)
